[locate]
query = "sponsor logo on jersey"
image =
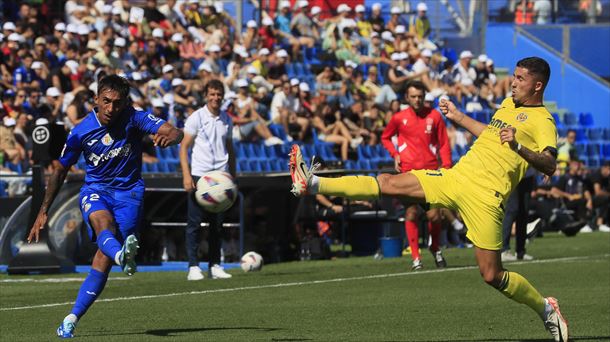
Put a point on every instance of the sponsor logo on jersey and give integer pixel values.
(521, 117)
(91, 142)
(87, 206)
(404, 122)
(122, 151)
(154, 118)
(107, 140)
(429, 123)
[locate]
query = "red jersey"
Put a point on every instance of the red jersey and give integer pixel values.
(420, 140)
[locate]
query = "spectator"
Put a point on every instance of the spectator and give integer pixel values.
(376, 19)
(573, 192)
(517, 212)
(567, 151)
(54, 100)
(12, 150)
(329, 128)
(246, 118)
(542, 10)
(79, 108)
(303, 25)
(421, 27)
(601, 196)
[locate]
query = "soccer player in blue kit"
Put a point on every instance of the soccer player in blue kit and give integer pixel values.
(110, 137)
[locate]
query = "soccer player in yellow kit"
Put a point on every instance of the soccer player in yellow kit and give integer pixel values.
(521, 133)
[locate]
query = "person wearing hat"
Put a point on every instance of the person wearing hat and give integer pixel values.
(105, 57)
(250, 124)
(364, 26)
(260, 62)
(395, 18)
(277, 68)
(12, 150)
(376, 19)
(155, 18)
(303, 24)
(250, 37)
(462, 69)
(166, 78)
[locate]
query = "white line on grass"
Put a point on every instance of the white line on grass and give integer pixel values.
(300, 283)
(53, 280)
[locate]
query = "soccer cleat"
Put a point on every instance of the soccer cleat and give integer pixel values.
(417, 265)
(128, 255)
(555, 323)
(508, 256)
(66, 329)
(439, 259)
(300, 173)
(218, 272)
(194, 273)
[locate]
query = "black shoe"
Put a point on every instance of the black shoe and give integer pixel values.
(439, 259)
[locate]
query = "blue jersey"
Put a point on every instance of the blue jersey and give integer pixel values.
(113, 154)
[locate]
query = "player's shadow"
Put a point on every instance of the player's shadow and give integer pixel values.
(174, 332)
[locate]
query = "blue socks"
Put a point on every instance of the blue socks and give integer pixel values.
(108, 244)
(92, 287)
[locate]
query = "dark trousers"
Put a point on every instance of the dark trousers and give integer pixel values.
(196, 215)
(517, 211)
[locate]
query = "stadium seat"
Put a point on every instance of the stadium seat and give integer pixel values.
(593, 150)
(363, 164)
(581, 135)
(570, 119)
(606, 134)
(254, 166)
(593, 163)
(15, 167)
(562, 132)
(595, 134)
(3, 187)
(243, 165)
(558, 122)
(586, 119)
(606, 150)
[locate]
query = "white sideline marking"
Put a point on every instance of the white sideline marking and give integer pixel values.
(53, 280)
(300, 283)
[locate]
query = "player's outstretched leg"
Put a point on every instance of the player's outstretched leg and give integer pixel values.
(89, 291)
(516, 287)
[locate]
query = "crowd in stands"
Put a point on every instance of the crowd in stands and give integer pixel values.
(330, 80)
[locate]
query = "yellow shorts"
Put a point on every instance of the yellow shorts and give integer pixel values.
(480, 208)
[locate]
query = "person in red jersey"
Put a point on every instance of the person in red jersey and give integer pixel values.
(422, 139)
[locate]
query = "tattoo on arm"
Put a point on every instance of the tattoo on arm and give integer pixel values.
(544, 162)
(56, 180)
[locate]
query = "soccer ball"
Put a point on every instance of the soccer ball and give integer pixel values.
(251, 261)
(216, 191)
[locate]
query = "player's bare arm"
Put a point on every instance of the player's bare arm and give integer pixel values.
(167, 135)
(544, 161)
(187, 179)
(449, 110)
(56, 180)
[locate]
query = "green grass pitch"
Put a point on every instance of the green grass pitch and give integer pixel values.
(353, 299)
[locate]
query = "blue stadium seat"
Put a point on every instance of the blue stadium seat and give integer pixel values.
(363, 164)
(3, 186)
(593, 150)
(243, 165)
(254, 166)
(581, 135)
(562, 132)
(606, 150)
(290, 72)
(558, 122)
(265, 165)
(15, 167)
(581, 149)
(350, 165)
(606, 134)
(593, 163)
(586, 119)
(595, 134)
(570, 119)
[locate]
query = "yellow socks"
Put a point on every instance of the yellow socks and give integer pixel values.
(517, 288)
(353, 187)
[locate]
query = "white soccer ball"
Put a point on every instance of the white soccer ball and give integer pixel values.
(251, 261)
(216, 191)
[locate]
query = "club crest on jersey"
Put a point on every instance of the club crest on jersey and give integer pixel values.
(107, 140)
(429, 123)
(521, 117)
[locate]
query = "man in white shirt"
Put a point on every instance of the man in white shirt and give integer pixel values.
(462, 69)
(284, 104)
(209, 129)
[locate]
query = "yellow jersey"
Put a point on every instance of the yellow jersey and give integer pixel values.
(497, 167)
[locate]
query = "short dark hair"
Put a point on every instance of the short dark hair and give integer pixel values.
(419, 85)
(214, 84)
(570, 131)
(114, 82)
(537, 66)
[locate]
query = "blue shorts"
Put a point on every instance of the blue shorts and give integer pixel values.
(124, 205)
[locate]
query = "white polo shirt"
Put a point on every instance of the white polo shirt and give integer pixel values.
(212, 133)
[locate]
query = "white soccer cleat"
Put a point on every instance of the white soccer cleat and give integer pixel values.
(218, 272)
(555, 323)
(194, 273)
(127, 258)
(300, 173)
(508, 256)
(417, 265)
